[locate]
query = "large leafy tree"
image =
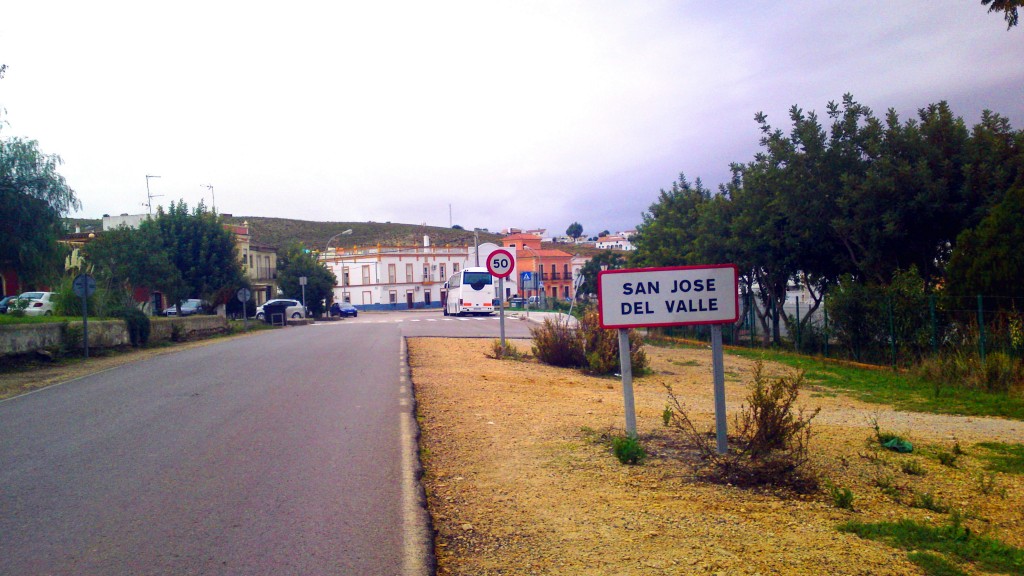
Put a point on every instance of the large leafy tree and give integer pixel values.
(202, 252)
(34, 198)
(128, 258)
(574, 231)
(607, 260)
(669, 231)
(988, 259)
(1007, 7)
(295, 262)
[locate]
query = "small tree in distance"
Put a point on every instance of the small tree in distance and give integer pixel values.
(574, 231)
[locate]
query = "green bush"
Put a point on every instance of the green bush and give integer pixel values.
(137, 323)
(557, 343)
(601, 346)
(628, 450)
(772, 444)
(72, 339)
(912, 467)
(842, 497)
(508, 351)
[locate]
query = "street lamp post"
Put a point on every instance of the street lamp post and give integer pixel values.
(212, 196)
(327, 246)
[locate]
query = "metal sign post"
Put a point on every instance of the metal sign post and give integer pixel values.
(626, 367)
(243, 295)
(673, 296)
(302, 282)
(84, 286)
(500, 263)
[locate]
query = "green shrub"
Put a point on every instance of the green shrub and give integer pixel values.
(557, 343)
(601, 346)
(926, 501)
(768, 421)
(628, 450)
(508, 351)
(947, 458)
(772, 441)
(912, 467)
(72, 339)
(842, 497)
(988, 484)
(137, 323)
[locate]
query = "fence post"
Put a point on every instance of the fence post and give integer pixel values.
(981, 328)
(824, 309)
(753, 316)
(797, 323)
(935, 330)
(892, 333)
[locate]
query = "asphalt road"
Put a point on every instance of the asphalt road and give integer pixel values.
(287, 452)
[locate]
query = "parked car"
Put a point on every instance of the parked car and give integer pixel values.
(188, 308)
(344, 309)
(4, 301)
(34, 303)
(293, 308)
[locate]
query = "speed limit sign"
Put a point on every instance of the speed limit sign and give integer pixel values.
(500, 263)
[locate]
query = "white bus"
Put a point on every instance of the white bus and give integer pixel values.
(470, 291)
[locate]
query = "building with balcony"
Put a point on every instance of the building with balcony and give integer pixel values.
(541, 271)
(394, 277)
(259, 263)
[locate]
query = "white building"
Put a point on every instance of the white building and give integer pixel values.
(394, 277)
(614, 243)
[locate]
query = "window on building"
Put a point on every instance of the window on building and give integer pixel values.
(393, 296)
(408, 273)
(426, 297)
(554, 275)
(565, 271)
(455, 268)
(344, 276)
(366, 274)
(392, 275)
(426, 272)
(443, 275)
(346, 297)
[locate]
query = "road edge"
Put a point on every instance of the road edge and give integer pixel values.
(418, 557)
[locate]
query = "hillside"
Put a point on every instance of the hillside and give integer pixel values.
(279, 232)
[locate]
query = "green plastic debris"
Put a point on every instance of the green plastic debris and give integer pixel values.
(899, 445)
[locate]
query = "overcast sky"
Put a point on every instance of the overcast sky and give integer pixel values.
(479, 113)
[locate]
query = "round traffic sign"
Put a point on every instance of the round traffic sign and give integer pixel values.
(500, 263)
(243, 294)
(83, 285)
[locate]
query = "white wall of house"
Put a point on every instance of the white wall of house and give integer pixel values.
(385, 277)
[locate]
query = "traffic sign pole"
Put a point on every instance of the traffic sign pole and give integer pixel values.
(500, 263)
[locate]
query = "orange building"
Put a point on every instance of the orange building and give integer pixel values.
(552, 267)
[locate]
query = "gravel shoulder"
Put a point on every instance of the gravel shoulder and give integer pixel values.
(520, 479)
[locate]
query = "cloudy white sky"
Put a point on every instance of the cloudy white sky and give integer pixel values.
(478, 113)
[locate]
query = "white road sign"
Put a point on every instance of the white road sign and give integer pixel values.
(500, 263)
(675, 296)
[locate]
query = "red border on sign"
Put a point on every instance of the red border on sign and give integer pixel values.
(511, 259)
(736, 291)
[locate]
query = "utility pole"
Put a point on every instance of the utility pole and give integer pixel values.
(149, 196)
(213, 198)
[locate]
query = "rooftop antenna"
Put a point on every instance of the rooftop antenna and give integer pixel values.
(214, 197)
(150, 196)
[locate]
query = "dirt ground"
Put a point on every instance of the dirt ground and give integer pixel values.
(520, 478)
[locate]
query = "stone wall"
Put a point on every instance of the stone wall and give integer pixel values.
(23, 338)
